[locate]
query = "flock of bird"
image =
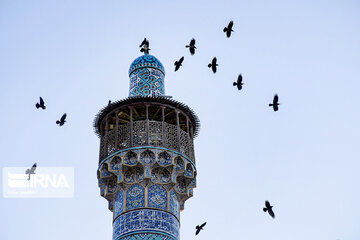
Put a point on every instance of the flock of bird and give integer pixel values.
(41, 104)
(267, 208)
(144, 48)
(239, 83)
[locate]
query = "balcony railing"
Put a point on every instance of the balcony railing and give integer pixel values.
(146, 133)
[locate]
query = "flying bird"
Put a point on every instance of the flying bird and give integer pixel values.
(62, 120)
(178, 63)
(191, 46)
(213, 65)
(268, 208)
(145, 46)
(239, 82)
(199, 228)
(41, 104)
(275, 103)
(31, 171)
(228, 29)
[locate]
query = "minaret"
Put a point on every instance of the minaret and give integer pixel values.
(147, 163)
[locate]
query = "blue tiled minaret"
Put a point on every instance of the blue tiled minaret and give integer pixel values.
(147, 163)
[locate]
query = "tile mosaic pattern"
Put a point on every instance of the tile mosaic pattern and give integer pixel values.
(145, 220)
(174, 204)
(146, 60)
(146, 82)
(147, 157)
(135, 197)
(146, 236)
(157, 197)
(119, 203)
(146, 77)
(130, 158)
(164, 158)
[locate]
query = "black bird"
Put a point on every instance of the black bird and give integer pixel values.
(109, 103)
(213, 65)
(268, 208)
(145, 46)
(62, 120)
(41, 104)
(145, 41)
(199, 228)
(228, 29)
(31, 170)
(191, 46)
(275, 103)
(178, 63)
(239, 82)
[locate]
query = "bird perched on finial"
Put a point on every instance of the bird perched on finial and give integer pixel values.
(62, 120)
(213, 65)
(31, 171)
(145, 46)
(275, 103)
(268, 208)
(228, 29)
(178, 63)
(191, 46)
(199, 228)
(239, 82)
(41, 104)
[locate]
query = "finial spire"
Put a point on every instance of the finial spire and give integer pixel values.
(145, 46)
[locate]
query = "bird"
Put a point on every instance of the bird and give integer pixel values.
(31, 170)
(62, 120)
(41, 104)
(275, 103)
(145, 41)
(268, 208)
(191, 46)
(178, 63)
(109, 103)
(213, 65)
(239, 82)
(145, 46)
(199, 228)
(228, 29)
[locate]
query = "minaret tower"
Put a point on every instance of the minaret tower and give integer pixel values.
(147, 162)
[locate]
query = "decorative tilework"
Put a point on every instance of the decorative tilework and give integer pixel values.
(165, 176)
(146, 77)
(147, 236)
(157, 197)
(179, 163)
(119, 203)
(189, 171)
(145, 220)
(146, 60)
(115, 163)
(129, 176)
(164, 158)
(104, 171)
(174, 204)
(130, 158)
(147, 157)
(135, 197)
(139, 174)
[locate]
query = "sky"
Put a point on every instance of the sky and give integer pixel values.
(304, 158)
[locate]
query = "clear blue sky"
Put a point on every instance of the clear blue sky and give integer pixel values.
(305, 158)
